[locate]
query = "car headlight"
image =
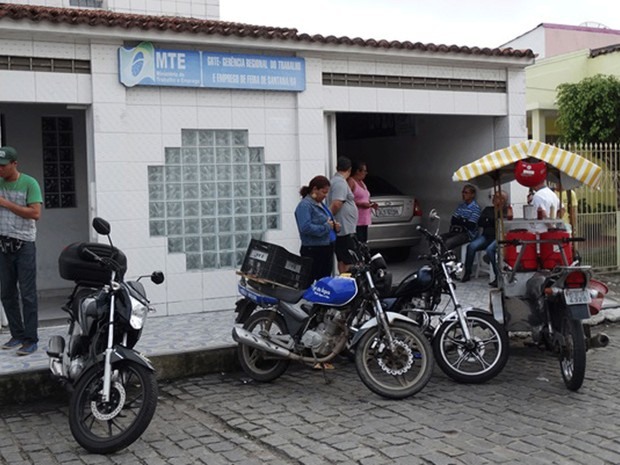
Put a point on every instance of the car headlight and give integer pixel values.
(138, 313)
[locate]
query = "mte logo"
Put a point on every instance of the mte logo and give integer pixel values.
(137, 65)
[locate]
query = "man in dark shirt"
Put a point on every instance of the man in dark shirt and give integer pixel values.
(464, 221)
(485, 240)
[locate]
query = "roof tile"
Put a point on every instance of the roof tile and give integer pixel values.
(95, 18)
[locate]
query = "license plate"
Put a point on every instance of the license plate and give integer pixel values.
(577, 296)
(389, 211)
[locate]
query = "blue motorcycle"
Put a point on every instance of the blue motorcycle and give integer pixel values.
(276, 324)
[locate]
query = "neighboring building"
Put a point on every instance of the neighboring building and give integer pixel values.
(543, 78)
(564, 54)
(192, 136)
(548, 40)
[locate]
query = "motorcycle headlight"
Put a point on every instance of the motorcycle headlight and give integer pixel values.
(138, 313)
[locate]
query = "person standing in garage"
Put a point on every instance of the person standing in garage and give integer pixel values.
(362, 198)
(341, 202)
(317, 228)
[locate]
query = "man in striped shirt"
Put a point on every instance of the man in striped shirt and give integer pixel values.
(464, 222)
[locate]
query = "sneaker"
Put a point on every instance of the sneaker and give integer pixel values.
(11, 344)
(27, 349)
(493, 283)
(466, 277)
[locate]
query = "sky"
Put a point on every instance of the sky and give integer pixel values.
(481, 23)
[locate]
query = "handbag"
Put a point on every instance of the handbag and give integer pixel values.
(332, 231)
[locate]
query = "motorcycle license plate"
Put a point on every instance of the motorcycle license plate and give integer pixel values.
(577, 296)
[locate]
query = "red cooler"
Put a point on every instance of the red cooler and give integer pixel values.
(550, 254)
(528, 259)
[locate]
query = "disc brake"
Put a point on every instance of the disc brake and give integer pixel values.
(117, 397)
(393, 355)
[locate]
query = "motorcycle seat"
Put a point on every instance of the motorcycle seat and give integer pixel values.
(285, 294)
(535, 283)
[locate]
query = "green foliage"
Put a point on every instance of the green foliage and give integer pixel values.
(589, 111)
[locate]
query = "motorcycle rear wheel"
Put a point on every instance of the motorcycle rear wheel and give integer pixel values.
(258, 364)
(104, 428)
(572, 353)
(394, 373)
(481, 360)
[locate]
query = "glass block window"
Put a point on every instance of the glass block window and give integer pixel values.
(212, 195)
(58, 162)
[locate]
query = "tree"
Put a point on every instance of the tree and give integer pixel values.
(589, 111)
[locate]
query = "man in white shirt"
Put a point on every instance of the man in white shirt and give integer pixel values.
(545, 199)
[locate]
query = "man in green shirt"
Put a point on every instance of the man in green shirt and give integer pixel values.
(20, 208)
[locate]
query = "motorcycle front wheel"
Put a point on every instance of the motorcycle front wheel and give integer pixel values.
(475, 361)
(259, 364)
(397, 371)
(572, 353)
(105, 427)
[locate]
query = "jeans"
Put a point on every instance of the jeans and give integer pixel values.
(479, 243)
(18, 276)
(322, 259)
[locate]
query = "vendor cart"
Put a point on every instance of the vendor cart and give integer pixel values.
(542, 286)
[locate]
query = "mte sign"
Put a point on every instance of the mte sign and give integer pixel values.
(145, 65)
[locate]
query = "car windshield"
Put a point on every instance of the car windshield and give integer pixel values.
(379, 186)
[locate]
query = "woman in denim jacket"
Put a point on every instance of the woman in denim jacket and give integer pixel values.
(317, 228)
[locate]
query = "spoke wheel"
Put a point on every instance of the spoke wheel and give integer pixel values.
(259, 364)
(398, 371)
(476, 361)
(105, 427)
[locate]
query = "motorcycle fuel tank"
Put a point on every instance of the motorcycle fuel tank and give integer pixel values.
(418, 281)
(335, 291)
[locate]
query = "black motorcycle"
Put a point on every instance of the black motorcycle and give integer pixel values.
(113, 387)
(469, 345)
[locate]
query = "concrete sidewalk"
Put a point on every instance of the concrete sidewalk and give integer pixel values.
(191, 344)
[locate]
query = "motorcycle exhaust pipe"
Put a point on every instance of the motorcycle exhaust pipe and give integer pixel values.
(599, 340)
(245, 337)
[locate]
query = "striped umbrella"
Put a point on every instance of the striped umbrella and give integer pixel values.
(567, 168)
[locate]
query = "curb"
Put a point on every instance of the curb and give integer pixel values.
(22, 387)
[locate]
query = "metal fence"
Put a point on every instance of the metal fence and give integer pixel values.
(597, 210)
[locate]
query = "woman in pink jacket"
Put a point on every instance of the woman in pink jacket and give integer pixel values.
(362, 198)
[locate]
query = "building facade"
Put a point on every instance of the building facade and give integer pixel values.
(192, 136)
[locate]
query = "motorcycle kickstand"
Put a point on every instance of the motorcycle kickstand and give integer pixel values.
(322, 365)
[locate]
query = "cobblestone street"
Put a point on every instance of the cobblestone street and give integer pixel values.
(525, 415)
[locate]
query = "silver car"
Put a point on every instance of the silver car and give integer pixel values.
(393, 228)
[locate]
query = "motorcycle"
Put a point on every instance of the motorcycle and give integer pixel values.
(275, 325)
(541, 288)
(557, 302)
(469, 345)
(113, 387)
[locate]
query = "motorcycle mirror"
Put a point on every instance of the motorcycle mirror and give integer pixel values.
(157, 277)
(101, 226)
(433, 215)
